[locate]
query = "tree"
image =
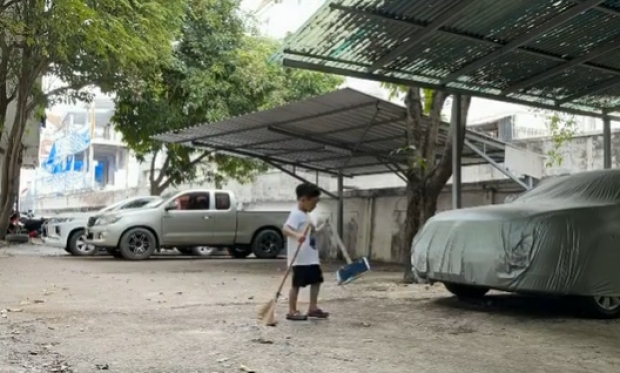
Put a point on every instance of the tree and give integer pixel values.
(83, 43)
(429, 167)
(218, 71)
(562, 128)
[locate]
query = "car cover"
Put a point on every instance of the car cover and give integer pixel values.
(562, 237)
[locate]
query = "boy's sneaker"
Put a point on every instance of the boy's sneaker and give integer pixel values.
(297, 316)
(318, 314)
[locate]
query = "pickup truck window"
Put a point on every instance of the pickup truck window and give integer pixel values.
(193, 201)
(222, 201)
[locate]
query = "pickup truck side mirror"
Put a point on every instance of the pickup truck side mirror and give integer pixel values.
(171, 206)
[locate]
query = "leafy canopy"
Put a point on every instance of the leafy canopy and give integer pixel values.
(83, 43)
(217, 71)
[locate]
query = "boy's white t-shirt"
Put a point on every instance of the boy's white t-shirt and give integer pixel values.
(308, 253)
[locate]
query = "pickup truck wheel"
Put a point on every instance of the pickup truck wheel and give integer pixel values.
(239, 252)
(267, 244)
(114, 252)
(78, 246)
(137, 244)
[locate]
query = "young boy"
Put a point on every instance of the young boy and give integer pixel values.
(306, 268)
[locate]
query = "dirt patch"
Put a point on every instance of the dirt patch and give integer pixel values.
(178, 315)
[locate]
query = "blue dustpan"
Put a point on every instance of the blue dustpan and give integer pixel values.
(352, 271)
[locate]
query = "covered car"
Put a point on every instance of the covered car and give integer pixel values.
(561, 238)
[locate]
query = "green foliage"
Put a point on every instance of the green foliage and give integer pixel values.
(82, 43)
(397, 91)
(218, 70)
(562, 127)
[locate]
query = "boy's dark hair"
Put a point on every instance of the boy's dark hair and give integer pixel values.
(307, 190)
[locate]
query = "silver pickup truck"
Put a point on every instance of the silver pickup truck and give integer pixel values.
(186, 219)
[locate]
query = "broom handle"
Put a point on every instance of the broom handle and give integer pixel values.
(341, 246)
(290, 267)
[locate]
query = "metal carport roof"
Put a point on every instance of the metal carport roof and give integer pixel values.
(553, 54)
(343, 131)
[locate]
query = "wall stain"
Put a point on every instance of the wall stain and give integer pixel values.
(398, 231)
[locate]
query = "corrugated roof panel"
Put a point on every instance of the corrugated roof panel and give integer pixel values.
(576, 38)
(352, 42)
(321, 137)
(571, 81)
(439, 55)
(607, 98)
(509, 69)
(611, 60)
(506, 20)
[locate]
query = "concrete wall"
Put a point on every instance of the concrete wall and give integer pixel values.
(374, 219)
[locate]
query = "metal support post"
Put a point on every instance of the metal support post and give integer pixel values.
(606, 141)
(340, 212)
(457, 129)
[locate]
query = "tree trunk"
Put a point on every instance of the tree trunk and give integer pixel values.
(412, 224)
(424, 184)
(156, 190)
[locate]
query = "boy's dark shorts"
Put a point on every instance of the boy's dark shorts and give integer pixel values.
(307, 275)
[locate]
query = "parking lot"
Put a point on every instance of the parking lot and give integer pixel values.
(176, 314)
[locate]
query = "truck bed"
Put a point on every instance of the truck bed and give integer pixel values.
(248, 222)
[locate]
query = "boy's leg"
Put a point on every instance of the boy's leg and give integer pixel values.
(316, 280)
(314, 296)
(293, 294)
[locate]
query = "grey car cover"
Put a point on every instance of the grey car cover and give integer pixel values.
(562, 237)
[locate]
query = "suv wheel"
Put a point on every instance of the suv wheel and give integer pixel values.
(137, 244)
(77, 244)
(601, 307)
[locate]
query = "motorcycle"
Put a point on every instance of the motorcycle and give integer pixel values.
(15, 225)
(25, 225)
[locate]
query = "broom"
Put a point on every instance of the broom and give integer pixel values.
(267, 312)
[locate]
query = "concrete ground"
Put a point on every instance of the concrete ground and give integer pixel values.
(174, 314)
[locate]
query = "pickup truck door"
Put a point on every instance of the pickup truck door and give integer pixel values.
(192, 223)
(225, 219)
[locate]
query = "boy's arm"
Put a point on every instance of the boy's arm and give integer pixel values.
(292, 227)
(290, 232)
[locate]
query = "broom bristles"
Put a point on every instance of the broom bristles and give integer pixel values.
(270, 316)
(262, 310)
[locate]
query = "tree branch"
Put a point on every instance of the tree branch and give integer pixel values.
(186, 167)
(163, 170)
(432, 131)
(7, 4)
(152, 168)
(40, 99)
